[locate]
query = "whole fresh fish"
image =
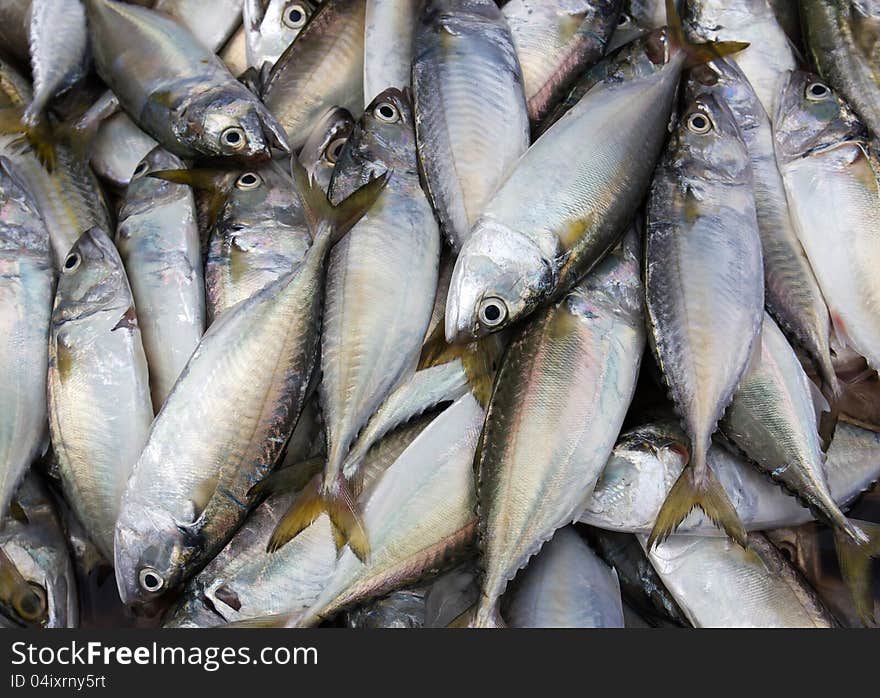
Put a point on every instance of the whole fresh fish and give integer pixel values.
(471, 114)
(791, 292)
(718, 584)
(99, 395)
(570, 373)
(34, 543)
(271, 26)
(158, 241)
(58, 37)
(211, 27)
(566, 586)
(769, 54)
(188, 492)
(380, 290)
(824, 157)
(841, 36)
(549, 223)
(323, 68)
(647, 461)
(174, 88)
(26, 290)
(388, 43)
(325, 143)
(705, 292)
(118, 149)
(555, 40)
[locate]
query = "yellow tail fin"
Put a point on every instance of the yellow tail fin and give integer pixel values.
(854, 553)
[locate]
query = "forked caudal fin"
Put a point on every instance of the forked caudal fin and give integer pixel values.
(290, 479)
(38, 137)
(697, 54)
(688, 493)
(338, 502)
(854, 553)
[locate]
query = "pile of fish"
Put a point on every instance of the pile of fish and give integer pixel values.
(439, 313)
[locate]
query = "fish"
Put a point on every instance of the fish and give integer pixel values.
(824, 157)
(14, 16)
(571, 373)
(548, 224)
(841, 40)
(234, 53)
(323, 68)
(27, 286)
(769, 55)
(628, 29)
(791, 292)
(34, 545)
(100, 408)
(470, 108)
(188, 101)
(325, 143)
(118, 149)
(389, 26)
(270, 27)
(210, 28)
(187, 494)
(704, 292)
(556, 40)
(719, 584)
(380, 291)
(566, 585)
(648, 459)
(158, 241)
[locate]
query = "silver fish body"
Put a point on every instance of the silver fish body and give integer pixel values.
(388, 41)
(96, 359)
(271, 26)
(118, 149)
(158, 241)
(470, 109)
(211, 28)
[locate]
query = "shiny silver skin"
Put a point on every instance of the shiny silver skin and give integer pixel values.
(471, 115)
(388, 42)
(718, 584)
(380, 279)
(824, 157)
(118, 149)
(769, 54)
(260, 235)
(39, 552)
(271, 26)
(211, 26)
(99, 395)
(324, 145)
(647, 460)
(419, 514)
(58, 37)
(566, 585)
(791, 292)
(650, 13)
(158, 241)
(234, 53)
(703, 269)
(841, 37)
(176, 89)
(570, 373)
(323, 68)
(773, 420)
(570, 197)
(26, 291)
(555, 41)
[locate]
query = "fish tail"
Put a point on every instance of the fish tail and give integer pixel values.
(828, 424)
(697, 53)
(37, 136)
(857, 542)
(290, 479)
(326, 219)
(697, 489)
(280, 620)
(487, 615)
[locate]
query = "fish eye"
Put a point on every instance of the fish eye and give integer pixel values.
(623, 20)
(32, 606)
(248, 181)
(386, 112)
(699, 123)
(140, 169)
(817, 92)
(493, 311)
(150, 580)
(233, 137)
(294, 16)
(334, 150)
(71, 263)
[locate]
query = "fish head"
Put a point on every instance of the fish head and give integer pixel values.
(811, 117)
(724, 79)
(262, 195)
(92, 278)
(270, 27)
(708, 142)
(230, 122)
(325, 144)
(499, 277)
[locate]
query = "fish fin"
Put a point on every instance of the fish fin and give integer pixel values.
(128, 320)
(307, 507)
(274, 132)
(487, 616)
(290, 479)
(323, 217)
(687, 494)
(827, 415)
(17, 513)
(38, 137)
(251, 79)
(464, 619)
(478, 359)
(17, 593)
(855, 548)
(343, 512)
(279, 620)
(697, 54)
